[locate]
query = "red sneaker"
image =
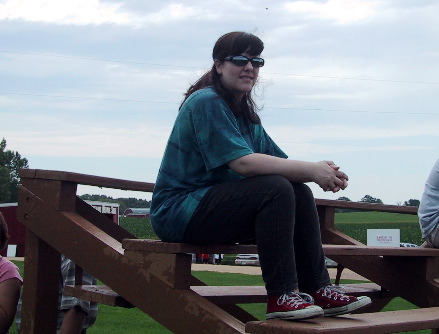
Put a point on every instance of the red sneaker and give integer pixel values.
(292, 306)
(333, 301)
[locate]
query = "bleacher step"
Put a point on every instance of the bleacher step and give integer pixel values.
(97, 293)
(366, 323)
(216, 294)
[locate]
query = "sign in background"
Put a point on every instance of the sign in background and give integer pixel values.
(383, 237)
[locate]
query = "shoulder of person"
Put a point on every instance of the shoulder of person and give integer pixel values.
(203, 95)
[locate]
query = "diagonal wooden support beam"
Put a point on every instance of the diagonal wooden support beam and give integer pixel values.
(180, 310)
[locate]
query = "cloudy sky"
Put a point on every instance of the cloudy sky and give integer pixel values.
(93, 86)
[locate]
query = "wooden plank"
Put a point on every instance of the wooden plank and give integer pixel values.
(85, 179)
(367, 206)
(217, 294)
(97, 293)
(366, 323)
(157, 246)
(349, 250)
(258, 294)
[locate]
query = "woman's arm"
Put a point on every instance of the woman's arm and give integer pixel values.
(9, 295)
(325, 173)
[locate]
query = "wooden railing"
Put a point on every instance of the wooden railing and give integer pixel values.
(156, 277)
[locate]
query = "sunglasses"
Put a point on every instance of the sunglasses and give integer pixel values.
(243, 61)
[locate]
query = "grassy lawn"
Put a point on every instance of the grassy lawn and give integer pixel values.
(132, 321)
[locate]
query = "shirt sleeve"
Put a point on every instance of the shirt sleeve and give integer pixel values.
(429, 208)
(268, 146)
(217, 132)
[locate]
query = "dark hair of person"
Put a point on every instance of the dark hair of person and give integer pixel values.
(4, 235)
(231, 44)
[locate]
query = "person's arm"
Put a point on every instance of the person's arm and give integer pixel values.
(325, 173)
(73, 321)
(9, 295)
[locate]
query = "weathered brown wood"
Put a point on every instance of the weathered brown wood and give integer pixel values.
(41, 269)
(97, 293)
(155, 276)
(103, 257)
(366, 323)
(101, 221)
(85, 179)
(346, 250)
(172, 269)
(61, 195)
(157, 246)
(409, 283)
(258, 294)
(367, 206)
(216, 294)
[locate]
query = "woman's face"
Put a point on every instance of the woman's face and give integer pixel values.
(237, 79)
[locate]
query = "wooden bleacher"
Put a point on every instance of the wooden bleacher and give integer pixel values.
(156, 277)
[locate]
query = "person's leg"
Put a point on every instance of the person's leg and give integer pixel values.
(258, 208)
(310, 259)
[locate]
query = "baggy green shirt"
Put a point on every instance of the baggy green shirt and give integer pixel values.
(206, 136)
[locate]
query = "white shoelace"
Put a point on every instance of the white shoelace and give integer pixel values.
(295, 299)
(334, 292)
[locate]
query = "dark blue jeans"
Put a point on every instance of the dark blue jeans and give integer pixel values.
(279, 216)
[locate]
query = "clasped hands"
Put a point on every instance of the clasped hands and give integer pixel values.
(329, 176)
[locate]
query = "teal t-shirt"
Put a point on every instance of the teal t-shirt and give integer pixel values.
(206, 136)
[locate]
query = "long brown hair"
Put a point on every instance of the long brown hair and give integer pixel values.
(231, 44)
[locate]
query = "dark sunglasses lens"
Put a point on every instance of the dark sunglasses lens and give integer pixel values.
(243, 61)
(257, 62)
(240, 61)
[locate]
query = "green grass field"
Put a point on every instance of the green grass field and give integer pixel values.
(131, 321)
(354, 224)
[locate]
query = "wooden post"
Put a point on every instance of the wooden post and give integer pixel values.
(41, 287)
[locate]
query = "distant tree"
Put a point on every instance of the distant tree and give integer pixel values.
(123, 202)
(370, 199)
(97, 198)
(412, 202)
(10, 163)
(343, 198)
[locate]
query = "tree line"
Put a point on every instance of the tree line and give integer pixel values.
(11, 162)
(124, 203)
(371, 199)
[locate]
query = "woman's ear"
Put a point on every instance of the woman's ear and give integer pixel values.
(218, 66)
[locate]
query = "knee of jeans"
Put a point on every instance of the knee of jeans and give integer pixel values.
(277, 185)
(303, 189)
(280, 182)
